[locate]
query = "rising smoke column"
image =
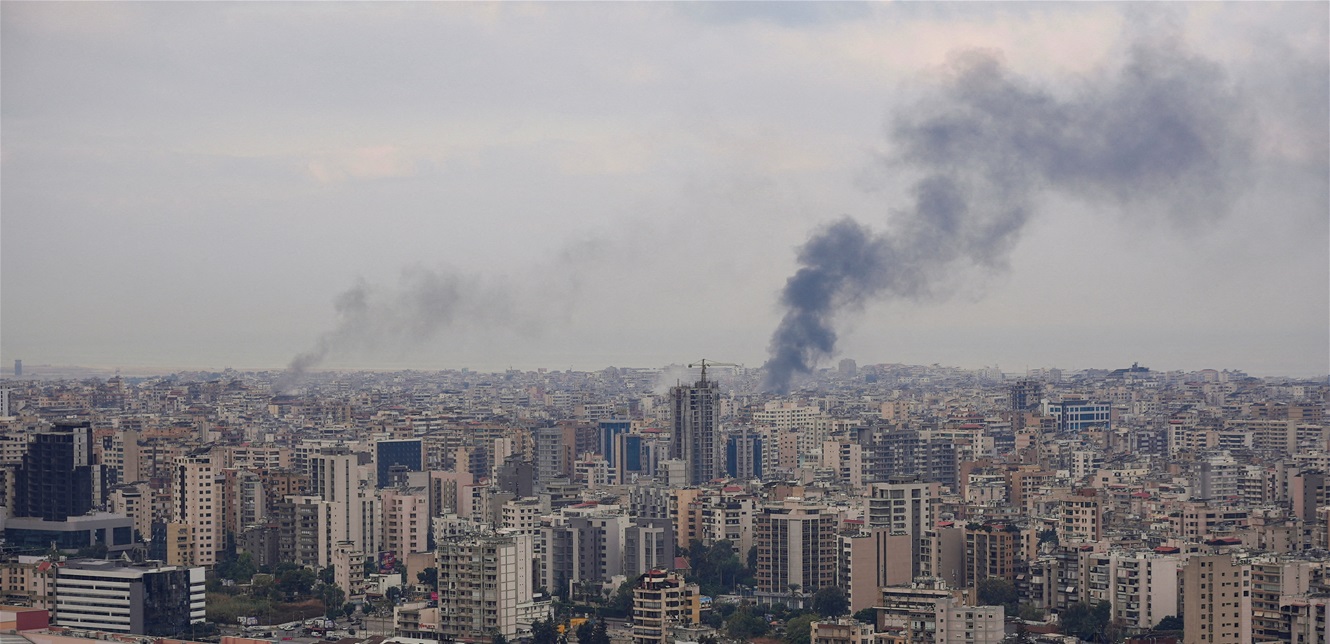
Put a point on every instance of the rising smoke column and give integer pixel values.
(423, 303)
(1165, 136)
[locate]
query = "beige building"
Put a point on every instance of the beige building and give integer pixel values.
(796, 546)
(870, 560)
(841, 631)
(662, 599)
(196, 512)
(845, 458)
(1273, 581)
(992, 550)
(1141, 587)
(1081, 519)
(28, 581)
(1217, 605)
(406, 521)
(956, 623)
(905, 506)
(942, 554)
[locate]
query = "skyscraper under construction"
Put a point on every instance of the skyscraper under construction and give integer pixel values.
(696, 437)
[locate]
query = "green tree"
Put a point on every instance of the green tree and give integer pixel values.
(620, 604)
(295, 582)
(716, 568)
(831, 601)
(240, 569)
(995, 591)
(1170, 623)
(867, 615)
(327, 575)
(333, 600)
(428, 577)
(1030, 613)
(585, 631)
(499, 638)
(543, 631)
(1085, 621)
(797, 630)
(600, 634)
(744, 625)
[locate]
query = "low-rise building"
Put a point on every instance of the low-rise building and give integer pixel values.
(117, 596)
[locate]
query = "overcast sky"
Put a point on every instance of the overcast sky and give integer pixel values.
(442, 185)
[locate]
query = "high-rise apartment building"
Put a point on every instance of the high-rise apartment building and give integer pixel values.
(796, 546)
(904, 505)
(406, 521)
(696, 437)
(1025, 394)
(870, 560)
(404, 455)
(991, 550)
(743, 454)
(487, 587)
(1140, 587)
(196, 512)
(648, 545)
(1081, 518)
(339, 478)
(58, 478)
(607, 430)
(555, 453)
(1216, 593)
(659, 600)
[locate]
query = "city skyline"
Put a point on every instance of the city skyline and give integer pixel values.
(435, 186)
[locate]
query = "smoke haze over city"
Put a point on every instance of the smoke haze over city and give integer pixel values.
(576, 185)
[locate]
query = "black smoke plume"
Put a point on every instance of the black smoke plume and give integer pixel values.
(1165, 135)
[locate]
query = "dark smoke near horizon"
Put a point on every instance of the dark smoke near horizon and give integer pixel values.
(1163, 136)
(423, 304)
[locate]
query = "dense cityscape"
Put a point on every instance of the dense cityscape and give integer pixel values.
(306, 309)
(873, 503)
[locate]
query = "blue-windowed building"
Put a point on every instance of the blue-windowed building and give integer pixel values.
(628, 460)
(743, 454)
(402, 455)
(608, 430)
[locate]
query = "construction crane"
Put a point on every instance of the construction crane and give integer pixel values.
(704, 363)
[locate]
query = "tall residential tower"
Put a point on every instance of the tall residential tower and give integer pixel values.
(696, 437)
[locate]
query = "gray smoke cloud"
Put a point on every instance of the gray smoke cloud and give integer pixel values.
(422, 304)
(1165, 135)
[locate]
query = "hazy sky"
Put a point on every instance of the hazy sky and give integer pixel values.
(439, 185)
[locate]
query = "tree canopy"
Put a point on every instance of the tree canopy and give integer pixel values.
(744, 625)
(717, 569)
(1085, 621)
(831, 601)
(798, 630)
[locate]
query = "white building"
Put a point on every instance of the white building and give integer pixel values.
(487, 586)
(119, 597)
